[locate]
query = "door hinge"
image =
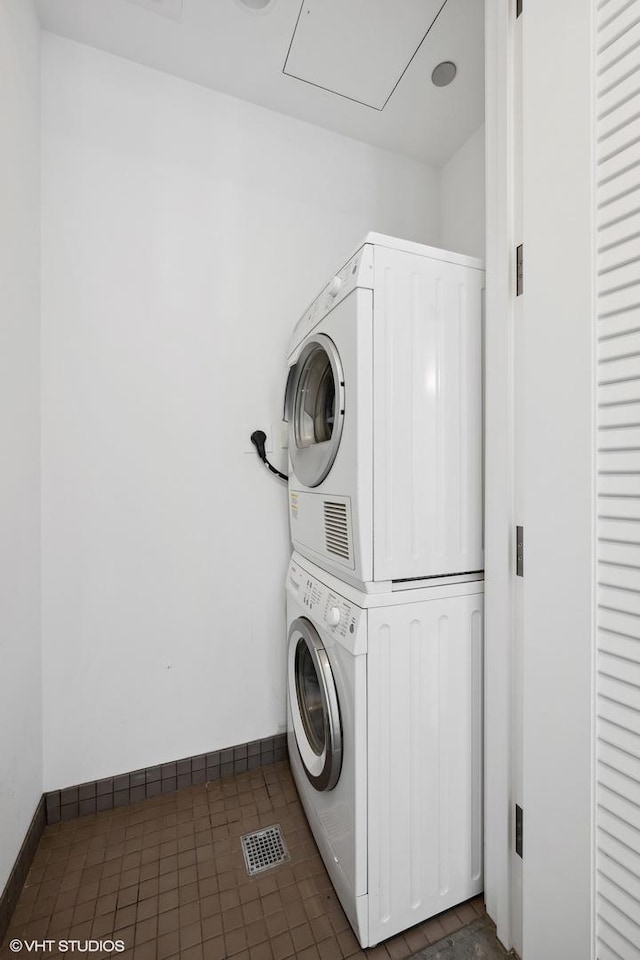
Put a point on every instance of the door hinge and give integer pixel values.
(518, 7)
(519, 818)
(519, 271)
(519, 551)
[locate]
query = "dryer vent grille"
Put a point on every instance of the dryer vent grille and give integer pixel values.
(336, 529)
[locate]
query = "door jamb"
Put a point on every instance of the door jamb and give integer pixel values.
(499, 462)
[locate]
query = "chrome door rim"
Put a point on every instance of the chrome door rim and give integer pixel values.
(312, 463)
(322, 769)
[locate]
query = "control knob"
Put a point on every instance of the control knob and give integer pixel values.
(333, 616)
(334, 286)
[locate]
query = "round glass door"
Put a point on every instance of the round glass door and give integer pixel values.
(314, 706)
(316, 410)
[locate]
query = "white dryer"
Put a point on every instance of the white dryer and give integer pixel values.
(384, 403)
(385, 743)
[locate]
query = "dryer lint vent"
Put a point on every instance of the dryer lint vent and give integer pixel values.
(264, 849)
(336, 529)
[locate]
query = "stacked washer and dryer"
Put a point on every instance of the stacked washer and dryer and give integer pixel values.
(385, 587)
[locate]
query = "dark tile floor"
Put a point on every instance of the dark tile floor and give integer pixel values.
(166, 877)
(477, 941)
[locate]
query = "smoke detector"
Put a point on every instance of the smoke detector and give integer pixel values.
(444, 73)
(256, 6)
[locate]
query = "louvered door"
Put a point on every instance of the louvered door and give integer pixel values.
(618, 471)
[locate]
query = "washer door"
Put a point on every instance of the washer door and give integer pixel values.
(314, 706)
(314, 407)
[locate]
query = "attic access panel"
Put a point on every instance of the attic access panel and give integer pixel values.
(358, 49)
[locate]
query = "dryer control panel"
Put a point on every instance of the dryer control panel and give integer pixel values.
(357, 272)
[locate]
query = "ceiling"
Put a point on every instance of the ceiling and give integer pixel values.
(359, 67)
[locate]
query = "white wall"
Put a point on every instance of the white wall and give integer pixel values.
(184, 232)
(20, 658)
(462, 190)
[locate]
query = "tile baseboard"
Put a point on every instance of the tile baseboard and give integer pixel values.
(119, 791)
(13, 887)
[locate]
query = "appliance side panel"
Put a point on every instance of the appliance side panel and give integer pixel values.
(427, 417)
(425, 760)
(617, 774)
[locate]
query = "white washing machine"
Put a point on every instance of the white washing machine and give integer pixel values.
(384, 403)
(385, 742)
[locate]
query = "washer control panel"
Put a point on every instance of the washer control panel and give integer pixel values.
(328, 609)
(339, 614)
(312, 593)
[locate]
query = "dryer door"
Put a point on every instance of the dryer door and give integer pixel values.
(314, 706)
(314, 406)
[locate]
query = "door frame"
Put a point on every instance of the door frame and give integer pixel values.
(558, 188)
(499, 462)
(557, 457)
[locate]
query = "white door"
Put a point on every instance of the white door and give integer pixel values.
(618, 482)
(517, 801)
